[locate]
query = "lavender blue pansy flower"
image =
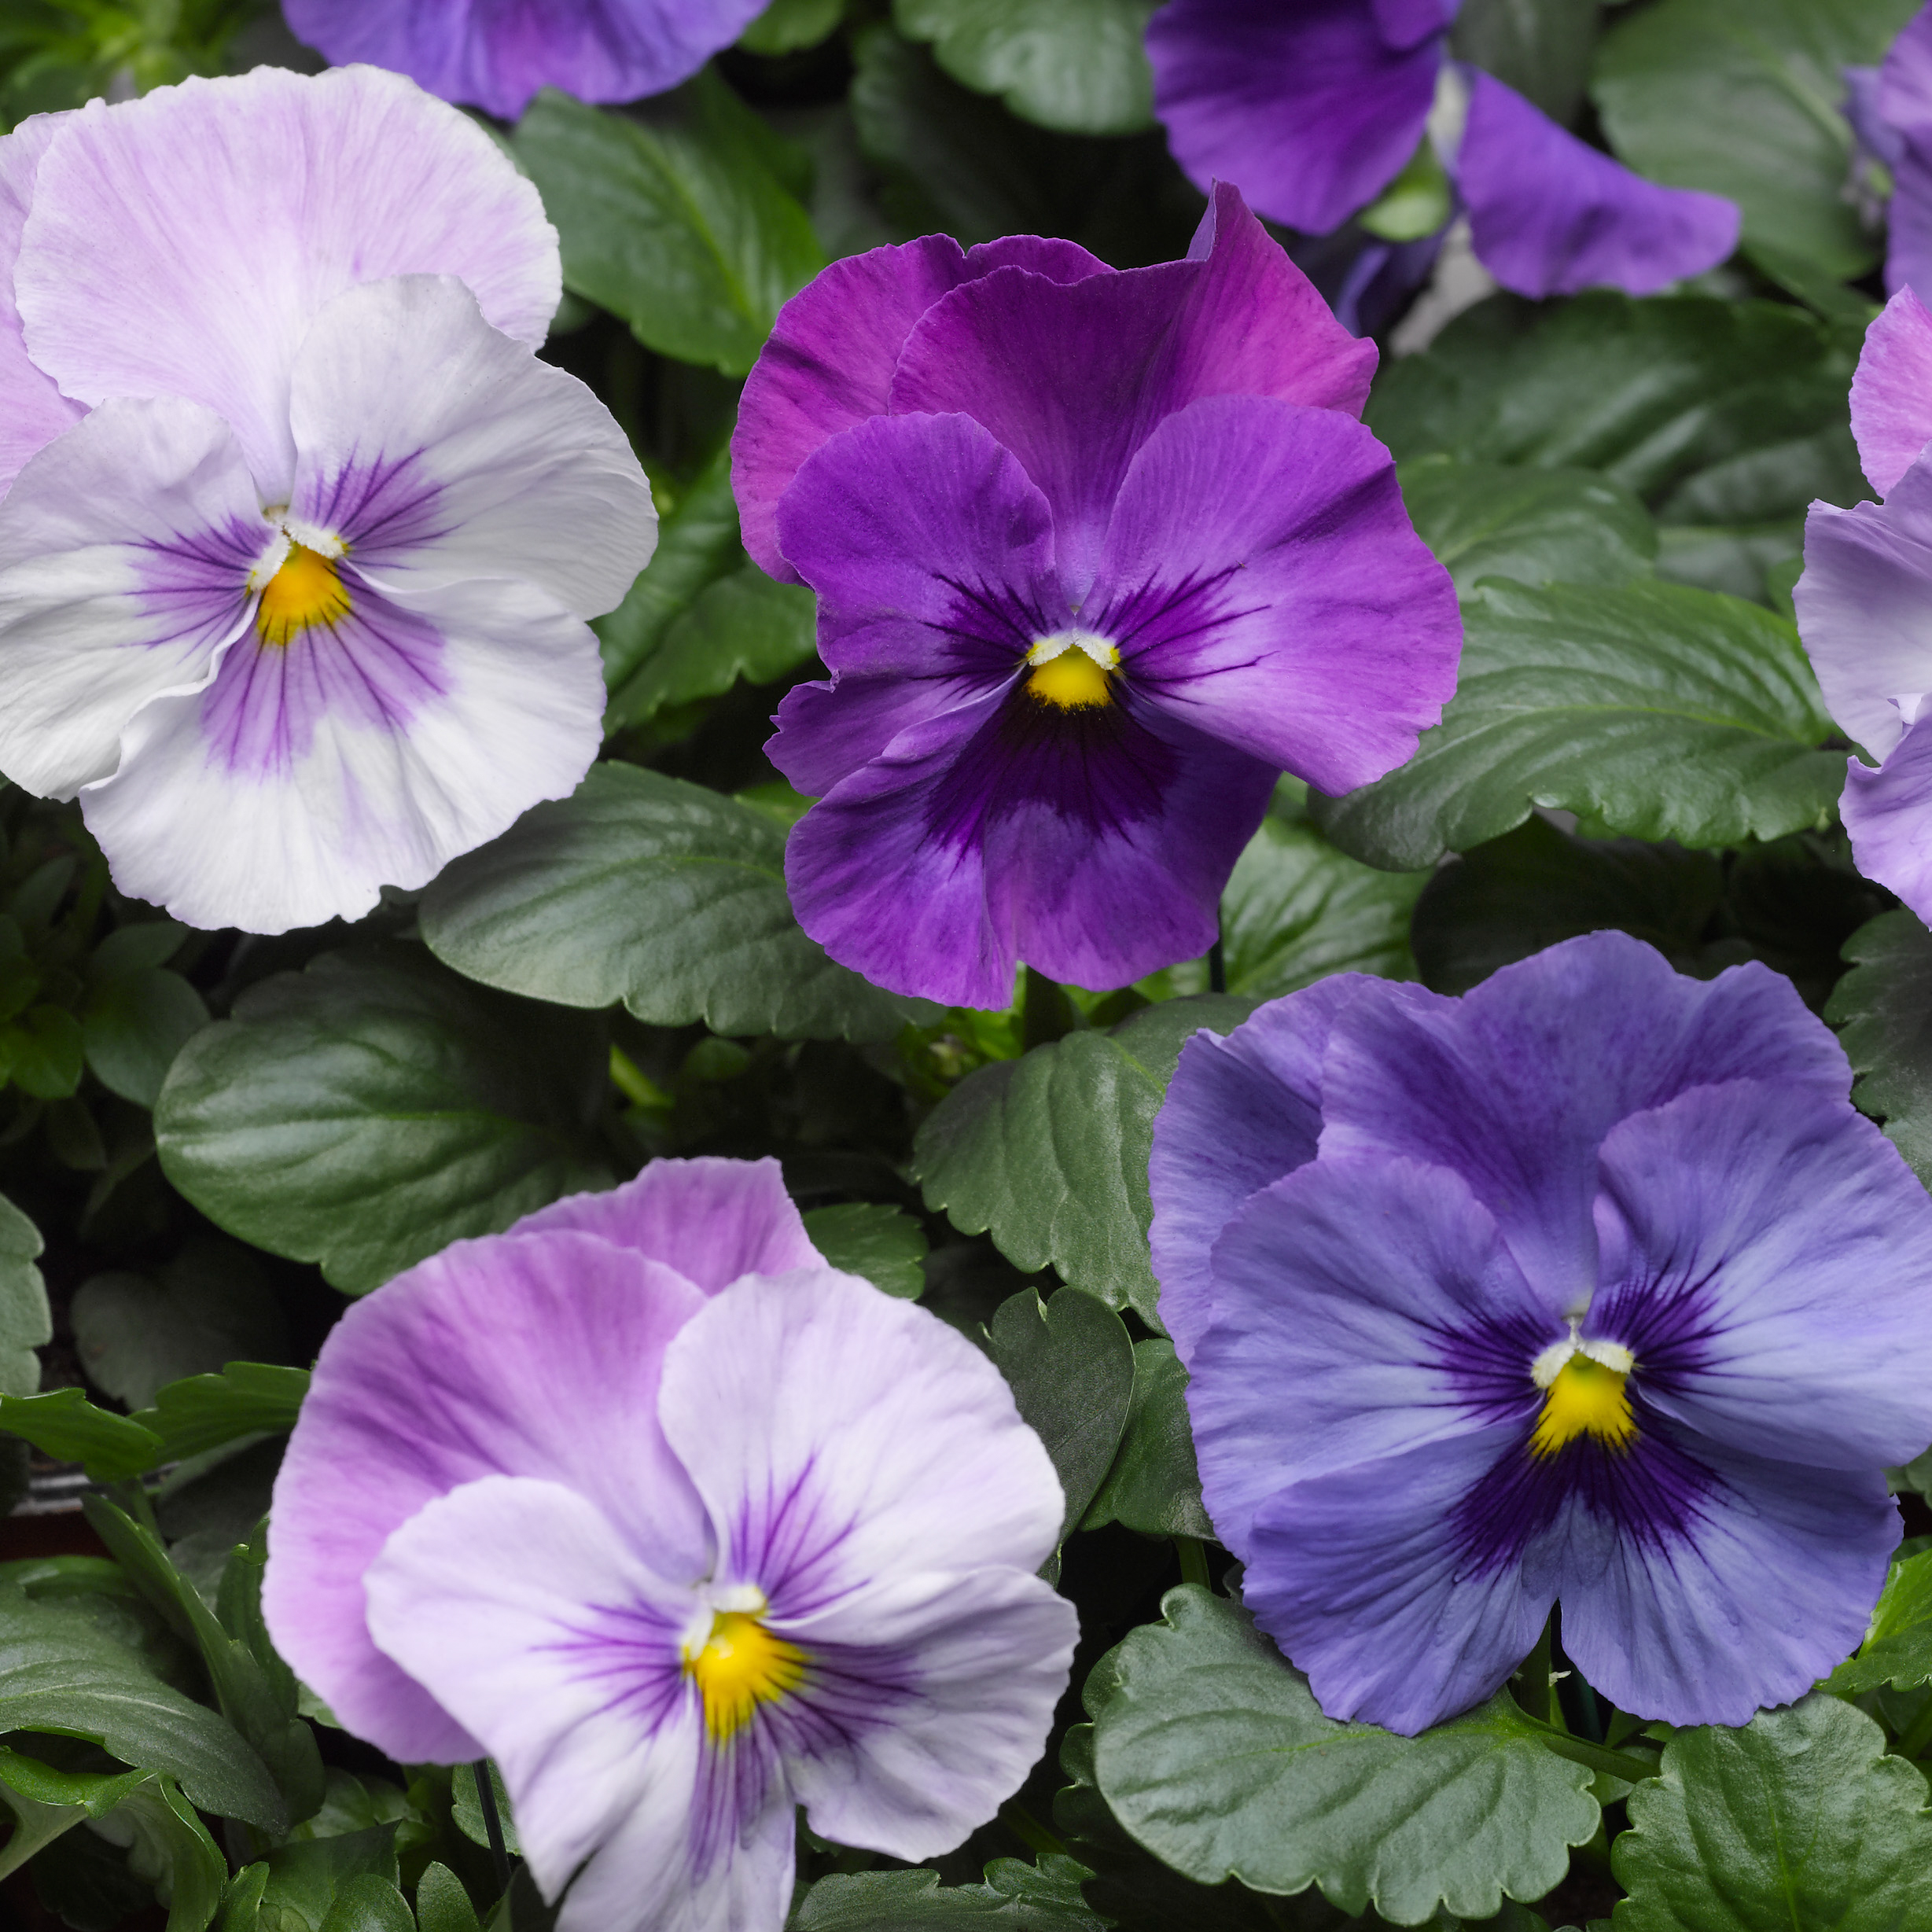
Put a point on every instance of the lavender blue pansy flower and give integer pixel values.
(683, 1528)
(496, 53)
(1890, 110)
(1313, 107)
(1590, 1288)
(298, 537)
(1097, 554)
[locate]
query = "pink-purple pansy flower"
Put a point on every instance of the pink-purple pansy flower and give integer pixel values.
(684, 1528)
(1098, 554)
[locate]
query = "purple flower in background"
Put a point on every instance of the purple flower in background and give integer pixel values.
(1865, 606)
(298, 536)
(1591, 1287)
(496, 53)
(1890, 110)
(1313, 107)
(683, 1528)
(1096, 555)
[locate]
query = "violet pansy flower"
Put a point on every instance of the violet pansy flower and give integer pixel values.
(496, 53)
(1313, 107)
(683, 1528)
(1097, 554)
(1590, 1288)
(298, 536)
(1890, 110)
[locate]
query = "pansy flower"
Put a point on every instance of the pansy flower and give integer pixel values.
(496, 53)
(1890, 109)
(1097, 554)
(1313, 107)
(1590, 1288)
(683, 1529)
(298, 536)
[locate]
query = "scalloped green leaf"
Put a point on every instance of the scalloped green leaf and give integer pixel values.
(1883, 1009)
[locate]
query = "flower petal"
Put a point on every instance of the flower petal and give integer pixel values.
(32, 409)
(125, 550)
(440, 450)
(1239, 1113)
(1888, 813)
(1362, 1308)
(1266, 585)
(367, 753)
(711, 1219)
(906, 1455)
(1892, 391)
(1307, 108)
(1549, 215)
(411, 1398)
(1514, 1085)
(181, 244)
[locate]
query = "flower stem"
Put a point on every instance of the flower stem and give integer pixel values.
(1046, 1012)
(493, 1820)
(1918, 1734)
(635, 1085)
(1194, 1561)
(1030, 1831)
(1217, 968)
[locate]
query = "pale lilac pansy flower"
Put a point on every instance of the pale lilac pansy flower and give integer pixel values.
(298, 536)
(683, 1528)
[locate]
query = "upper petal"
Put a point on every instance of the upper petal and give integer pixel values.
(1905, 80)
(533, 1356)
(1306, 107)
(1549, 215)
(32, 409)
(1892, 391)
(711, 1219)
(183, 243)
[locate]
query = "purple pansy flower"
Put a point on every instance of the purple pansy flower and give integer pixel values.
(1097, 554)
(1890, 110)
(1865, 606)
(1313, 107)
(1589, 1287)
(683, 1528)
(298, 536)
(496, 53)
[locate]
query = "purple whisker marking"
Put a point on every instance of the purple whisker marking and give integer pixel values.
(1665, 1319)
(1005, 622)
(785, 1540)
(195, 587)
(1488, 1364)
(632, 1648)
(383, 503)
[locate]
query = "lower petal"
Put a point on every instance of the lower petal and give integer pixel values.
(366, 754)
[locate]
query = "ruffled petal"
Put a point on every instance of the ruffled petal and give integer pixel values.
(32, 409)
(1861, 605)
(366, 753)
(1239, 1113)
(1549, 215)
(497, 56)
(125, 550)
(440, 450)
(1514, 1085)
(181, 244)
(1768, 1257)
(1888, 813)
(1891, 392)
(1308, 109)
(1362, 1576)
(534, 1356)
(711, 1219)
(1362, 1308)
(841, 1439)
(1265, 585)
(1773, 1586)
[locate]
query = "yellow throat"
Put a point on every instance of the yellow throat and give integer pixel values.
(306, 591)
(740, 1666)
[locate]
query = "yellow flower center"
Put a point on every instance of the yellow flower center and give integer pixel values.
(1072, 670)
(306, 590)
(739, 1667)
(1585, 1397)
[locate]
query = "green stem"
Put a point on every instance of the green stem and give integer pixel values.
(1030, 1831)
(635, 1085)
(1917, 1735)
(1217, 968)
(1625, 1764)
(1194, 1561)
(1538, 1695)
(492, 1821)
(1046, 1012)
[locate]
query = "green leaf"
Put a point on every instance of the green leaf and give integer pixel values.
(1542, 51)
(1045, 1898)
(442, 1904)
(307, 1875)
(368, 1111)
(467, 1810)
(1742, 98)
(65, 1425)
(742, 625)
(787, 25)
(1048, 1152)
(133, 949)
(1070, 1366)
(1213, 1752)
(883, 1244)
(46, 1051)
(1882, 1009)
(1077, 65)
(169, 1850)
(1798, 1820)
(1534, 526)
(1154, 1486)
(369, 1904)
(1646, 709)
(1296, 909)
(207, 1412)
(59, 1673)
(660, 893)
(26, 1320)
(673, 216)
(1897, 1649)
(45, 1802)
(1536, 886)
(134, 1026)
